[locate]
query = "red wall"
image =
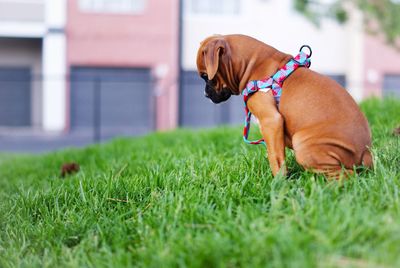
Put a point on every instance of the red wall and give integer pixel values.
(380, 59)
(145, 40)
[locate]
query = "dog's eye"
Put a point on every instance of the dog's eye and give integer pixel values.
(204, 77)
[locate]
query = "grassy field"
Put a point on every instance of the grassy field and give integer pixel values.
(199, 199)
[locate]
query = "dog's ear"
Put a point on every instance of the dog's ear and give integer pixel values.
(212, 52)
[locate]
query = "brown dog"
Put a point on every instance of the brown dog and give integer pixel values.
(316, 117)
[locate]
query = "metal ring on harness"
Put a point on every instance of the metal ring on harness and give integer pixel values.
(308, 47)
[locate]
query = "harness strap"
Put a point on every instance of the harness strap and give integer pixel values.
(275, 83)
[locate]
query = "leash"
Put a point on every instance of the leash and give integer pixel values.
(273, 83)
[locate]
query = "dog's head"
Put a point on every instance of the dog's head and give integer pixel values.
(214, 67)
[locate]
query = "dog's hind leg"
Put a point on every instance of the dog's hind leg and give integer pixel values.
(323, 159)
(366, 159)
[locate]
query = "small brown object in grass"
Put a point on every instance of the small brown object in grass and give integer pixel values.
(396, 131)
(69, 168)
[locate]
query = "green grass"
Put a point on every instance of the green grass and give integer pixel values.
(199, 199)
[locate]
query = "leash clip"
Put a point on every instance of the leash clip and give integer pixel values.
(308, 47)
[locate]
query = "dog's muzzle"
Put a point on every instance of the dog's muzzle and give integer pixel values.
(217, 97)
(213, 95)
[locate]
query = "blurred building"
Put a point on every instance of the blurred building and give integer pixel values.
(122, 60)
(112, 67)
(32, 47)
(71, 66)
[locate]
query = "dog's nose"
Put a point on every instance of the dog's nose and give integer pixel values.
(206, 94)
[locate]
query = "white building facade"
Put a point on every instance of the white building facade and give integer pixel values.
(32, 64)
(276, 23)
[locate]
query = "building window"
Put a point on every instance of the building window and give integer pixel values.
(340, 78)
(114, 6)
(213, 7)
(391, 85)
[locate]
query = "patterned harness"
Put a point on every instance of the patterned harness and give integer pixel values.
(273, 83)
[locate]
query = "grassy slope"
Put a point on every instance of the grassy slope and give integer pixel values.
(200, 199)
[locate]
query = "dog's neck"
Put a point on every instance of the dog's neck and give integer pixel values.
(261, 65)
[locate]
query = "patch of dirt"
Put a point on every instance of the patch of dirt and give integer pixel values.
(69, 169)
